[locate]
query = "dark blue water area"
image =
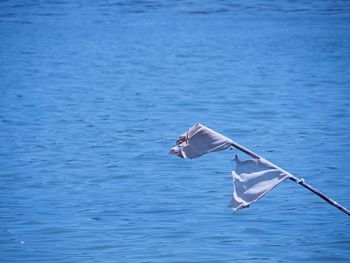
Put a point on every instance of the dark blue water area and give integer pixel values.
(94, 93)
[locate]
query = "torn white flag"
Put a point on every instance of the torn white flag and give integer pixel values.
(199, 140)
(252, 179)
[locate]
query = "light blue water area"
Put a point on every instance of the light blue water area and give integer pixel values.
(94, 93)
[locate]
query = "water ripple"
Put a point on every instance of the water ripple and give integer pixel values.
(92, 95)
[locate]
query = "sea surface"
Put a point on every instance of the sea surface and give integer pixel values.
(94, 93)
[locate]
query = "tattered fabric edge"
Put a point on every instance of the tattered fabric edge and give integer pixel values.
(184, 138)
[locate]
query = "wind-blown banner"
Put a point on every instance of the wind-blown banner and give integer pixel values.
(199, 140)
(252, 178)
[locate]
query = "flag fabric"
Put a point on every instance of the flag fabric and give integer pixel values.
(198, 141)
(252, 179)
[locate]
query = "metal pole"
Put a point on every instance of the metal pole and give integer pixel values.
(294, 179)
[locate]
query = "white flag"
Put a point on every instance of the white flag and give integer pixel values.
(199, 140)
(252, 179)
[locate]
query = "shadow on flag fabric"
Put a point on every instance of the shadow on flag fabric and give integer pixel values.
(252, 179)
(198, 141)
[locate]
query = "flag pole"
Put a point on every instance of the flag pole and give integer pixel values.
(294, 179)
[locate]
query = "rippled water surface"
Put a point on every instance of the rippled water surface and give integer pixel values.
(93, 93)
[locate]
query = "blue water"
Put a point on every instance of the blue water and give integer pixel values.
(93, 93)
